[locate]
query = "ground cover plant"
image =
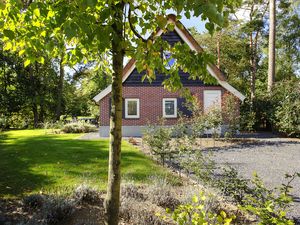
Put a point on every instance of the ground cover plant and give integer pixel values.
(33, 161)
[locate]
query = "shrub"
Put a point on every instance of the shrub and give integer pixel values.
(131, 191)
(3, 123)
(78, 127)
(163, 197)
(135, 212)
(158, 139)
(198, 163)
(269, 205)
(196, 213)
(85, 194)
(230, 113)
(20, 121)
(57, 209)
(53, 125)
(230, 184)
(34, 201)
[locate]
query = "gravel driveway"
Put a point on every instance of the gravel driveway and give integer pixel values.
(270, 158)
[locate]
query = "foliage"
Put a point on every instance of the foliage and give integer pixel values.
(198, 163)
(3, 123)
(78, 127)
(34, 201)
(158, 139)
(195, 213)
(230, 184)
(56, 209)
(270, 207)
(287, 107)
(84, 194)
(231, 114)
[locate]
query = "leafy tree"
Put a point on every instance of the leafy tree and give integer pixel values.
(93, 27)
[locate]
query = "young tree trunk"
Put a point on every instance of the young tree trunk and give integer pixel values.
(112, 201)
(60, 87)
(219, 49)
(272, 33)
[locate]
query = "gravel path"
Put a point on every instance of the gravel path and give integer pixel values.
(270, 158)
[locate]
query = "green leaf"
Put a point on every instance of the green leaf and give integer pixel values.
(27, 62)
(162, 21)
(41, 60)
(7, 46)
(21, 52)
(36, 12)
(9, 33)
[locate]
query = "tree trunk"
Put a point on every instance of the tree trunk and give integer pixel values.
(60, 87)
(112, 201)
(253, 69)
(219, 49)
(35, 113)
(272, 33)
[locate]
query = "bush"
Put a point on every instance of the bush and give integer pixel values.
(163, 197)
(131, 191)
(34, 201)
(158, 139)
(269, 206)
(57, 209)
(135, 212)
(78, 127)
(20, 121)
(53, 125)
(196, 213)
(4, 124)
(230, 184)
(85, 194)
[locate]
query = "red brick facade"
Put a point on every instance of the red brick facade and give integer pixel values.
(151, 103)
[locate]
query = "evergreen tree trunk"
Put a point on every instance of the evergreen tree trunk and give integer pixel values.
(112, 201)
(253, 70)
(60, 87)
(272, 33)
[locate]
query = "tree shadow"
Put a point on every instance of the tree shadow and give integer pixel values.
(34, 163)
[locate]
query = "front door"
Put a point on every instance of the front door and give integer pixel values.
(212, 98)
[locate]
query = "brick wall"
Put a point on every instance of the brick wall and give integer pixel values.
(151, 106)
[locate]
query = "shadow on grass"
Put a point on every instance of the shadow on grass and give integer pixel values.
(30, 164)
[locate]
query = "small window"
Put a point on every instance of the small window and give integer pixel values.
(132, 108)
(170, 62)
(170, 108)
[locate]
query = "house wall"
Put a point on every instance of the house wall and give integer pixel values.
(151, 106)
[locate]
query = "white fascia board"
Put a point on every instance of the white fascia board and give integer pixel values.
(102, 94)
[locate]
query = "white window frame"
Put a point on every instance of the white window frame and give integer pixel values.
(137, 105)
(175, 108)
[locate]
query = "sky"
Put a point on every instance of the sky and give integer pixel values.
(194, 22)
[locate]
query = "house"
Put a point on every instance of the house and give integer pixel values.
(146, 102)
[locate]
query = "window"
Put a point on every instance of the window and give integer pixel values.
(132, 108)
(170, 107)
(167, 56)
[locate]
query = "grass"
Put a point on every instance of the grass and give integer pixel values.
(32, 161)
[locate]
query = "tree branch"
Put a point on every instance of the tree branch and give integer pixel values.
(132, 28)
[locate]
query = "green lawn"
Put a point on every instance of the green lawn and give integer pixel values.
(32, 161)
